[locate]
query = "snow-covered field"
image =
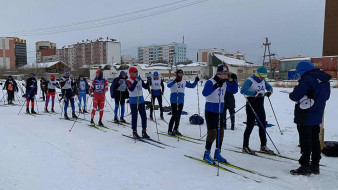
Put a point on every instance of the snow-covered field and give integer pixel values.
(40, 152)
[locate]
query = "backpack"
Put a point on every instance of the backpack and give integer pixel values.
(196, 119)
(330, 149)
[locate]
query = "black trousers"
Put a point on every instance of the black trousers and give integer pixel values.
(159, 99)
(119, 98)
(10, 95)
(310, 145)
(258, 106)
(176, 116)
(232, 118)
(213, 120)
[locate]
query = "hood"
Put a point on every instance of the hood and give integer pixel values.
(320, 75)
(303, 67)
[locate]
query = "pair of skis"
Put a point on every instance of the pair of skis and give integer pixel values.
(150, 141)
(184, 138)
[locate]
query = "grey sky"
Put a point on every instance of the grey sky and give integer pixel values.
(295, 27)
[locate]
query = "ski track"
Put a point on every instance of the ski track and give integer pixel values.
(40, 153)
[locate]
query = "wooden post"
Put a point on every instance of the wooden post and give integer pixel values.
(321, 134)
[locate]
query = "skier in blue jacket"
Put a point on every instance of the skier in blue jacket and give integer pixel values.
(177, 87)
(310, 95)
(119, 91)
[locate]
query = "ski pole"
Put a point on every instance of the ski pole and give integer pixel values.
(275, 116)
(17, 96)
(219, 125)
(260, 122)
(152, 102)
(22, 106)
(177, 110)
(166, 99)
(199, 114)
(3, 98)
(70, 130)
(37, 107)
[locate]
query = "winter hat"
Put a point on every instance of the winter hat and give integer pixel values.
(132, 69)
(304, 66)
(52, 77)
(81, 75)
(98, 71)
(67, 72)
(155, 74)
(261, 72)
(179, 71)
(33, 75)
(222, 69)
(122, 73)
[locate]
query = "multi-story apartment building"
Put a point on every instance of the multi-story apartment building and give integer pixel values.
(13, 53)
(203, 54)
(100, 51)
(45, 51)
(171, 53)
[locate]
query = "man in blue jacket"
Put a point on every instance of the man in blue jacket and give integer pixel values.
(310, 95)
(254, 88)
(229, 100)
(177, 87)
(119, 91)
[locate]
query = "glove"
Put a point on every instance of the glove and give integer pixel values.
(258, 95)
(138, 78)
(177, 80)
(268, 93)
(219, 83)
(197, 79)
(233, 76)
(120, 82)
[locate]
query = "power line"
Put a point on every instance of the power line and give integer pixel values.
(55, 30)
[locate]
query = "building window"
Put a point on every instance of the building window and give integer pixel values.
(240, 71)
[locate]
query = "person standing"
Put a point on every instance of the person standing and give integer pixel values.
(83, 90)
(51, 84)
(157, 90)
(67, 86)
(31, 91)
(43, 87)
(310, 95)
(214, 92)
(119, 91)
(177, 87)
(99, 88)
(254, 88)
(136, 101)
(11, 87)
(229, 100)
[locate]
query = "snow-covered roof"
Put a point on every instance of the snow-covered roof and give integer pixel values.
(41, 65)
(147, 67)
(232, 61)
(202, 64)
(296, 59)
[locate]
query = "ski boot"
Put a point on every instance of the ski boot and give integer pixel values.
(84, 111)
(116, 120)
(66, 116)
(122, 120)
(247, 150)
(266, 150)
(100, 123)
(232, 126)
(161, 116)
(135, 135)
(46, 110)
(144, 134)
(74, 115)
(151, 117)
(171, 133)
(314, 169)
(52, 110)
(177, 132)
(32, 111)
(80, 111)
(302, 170)
(218, 156)
(208, 158)
(92, 122)
(27, 111)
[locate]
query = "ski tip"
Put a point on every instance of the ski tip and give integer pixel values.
(70, 130)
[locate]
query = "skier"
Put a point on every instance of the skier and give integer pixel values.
(11, 87)
(136, 101)
(99, 88)
(229, 99)
(157, 89)
(51, 84)
(177, 87)
(43, 87)
(310, 95)
(82, 91)
(119, 91)
(254, 89)
(201, 83)
(214, 91)
(31, 91)
(67, 85)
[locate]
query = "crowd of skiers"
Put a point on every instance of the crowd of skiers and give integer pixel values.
(310, 96)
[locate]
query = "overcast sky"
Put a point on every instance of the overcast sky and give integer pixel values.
(294, 27)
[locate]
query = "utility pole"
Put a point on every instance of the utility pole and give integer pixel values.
(267, 48)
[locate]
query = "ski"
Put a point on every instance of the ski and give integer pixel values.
(181, 138)
(220, 167)
(142, 140)
(30, 114)
(118, 123)
(154, 121)
(191, 138)
(256, 155)
(276, 155)
(70, 119)
(164, 121)
(247, 170)
(155, 141)
(96, 127)
(109, 128)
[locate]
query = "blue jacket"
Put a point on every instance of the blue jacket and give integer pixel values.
(247, 83)
(211, 106)
(315, 84)
(173, 96)
(115, 85)
(131, 87)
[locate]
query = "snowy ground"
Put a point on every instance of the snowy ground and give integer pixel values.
(40, 153)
